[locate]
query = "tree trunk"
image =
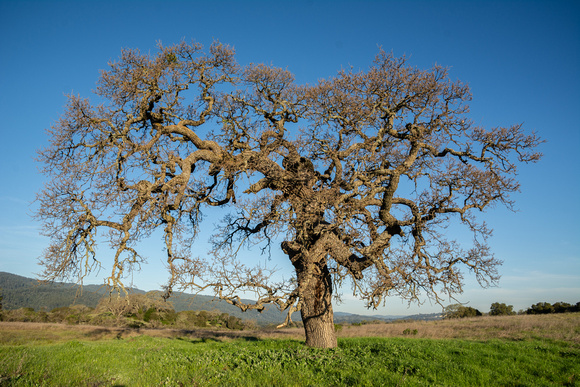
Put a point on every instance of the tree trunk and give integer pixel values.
(316, 311)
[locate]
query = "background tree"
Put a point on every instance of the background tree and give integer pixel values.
(540, 308)
(561, 307)
(356, 177)
(460, 311)
(558, 307)
(501, 309)
(140, 307)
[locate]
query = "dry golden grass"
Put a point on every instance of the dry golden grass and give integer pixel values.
(17, 333)
(565, 327)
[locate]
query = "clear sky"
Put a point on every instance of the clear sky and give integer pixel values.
(520, 58)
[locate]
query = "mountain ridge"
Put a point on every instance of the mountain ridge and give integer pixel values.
(23, 292)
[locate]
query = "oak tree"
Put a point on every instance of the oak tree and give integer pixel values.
(501, 309)
(460, 311)
(355, 178)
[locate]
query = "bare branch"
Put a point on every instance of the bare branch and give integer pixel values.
(355, 177)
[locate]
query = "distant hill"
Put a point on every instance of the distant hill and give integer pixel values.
(350, 318)
(341, 317)
(22, 292)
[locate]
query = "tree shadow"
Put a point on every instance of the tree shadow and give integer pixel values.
(205, 340)
(192, 335)
(197, 336)
(200, 335)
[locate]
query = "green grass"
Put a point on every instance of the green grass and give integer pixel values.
(149, 361)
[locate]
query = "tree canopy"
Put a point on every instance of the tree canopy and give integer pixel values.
(501, 309)
(355, 178)
(460, 311)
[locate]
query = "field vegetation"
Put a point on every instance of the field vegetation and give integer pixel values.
(490, 350)
(132, 311)
(26, 299)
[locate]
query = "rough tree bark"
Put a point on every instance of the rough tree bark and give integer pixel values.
(316, 309)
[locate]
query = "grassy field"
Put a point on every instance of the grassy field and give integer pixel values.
(503, 351)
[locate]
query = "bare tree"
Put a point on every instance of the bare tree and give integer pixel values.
(356, 177)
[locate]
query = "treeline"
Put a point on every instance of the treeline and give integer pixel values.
(501, 309)
(133, 311)
(21, 292)
(558, 307)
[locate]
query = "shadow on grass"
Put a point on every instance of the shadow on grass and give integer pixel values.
(110, 333)
(204, 340)
(208, 336)
(192, 335)
(13, 333)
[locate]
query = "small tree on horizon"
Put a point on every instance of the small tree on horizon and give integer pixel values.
(460, 311)
(140, 306)
(354, 178)
(501, 309)
(540, 308)
(562, 307)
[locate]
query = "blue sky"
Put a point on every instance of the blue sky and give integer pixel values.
(520, 58)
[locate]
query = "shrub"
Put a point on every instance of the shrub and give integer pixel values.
(558, 307)
(22, 315)
(460, 311)
(137, 309)
(561, 307)
(233, 322)
(501, 309)
(541, 308)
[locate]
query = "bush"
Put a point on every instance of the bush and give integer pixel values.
(460, 311)
(233, 322)
(558, 307)
(22, 315)
(561, 307)
(76, 314)
(58, 315)
(137, 310)
(133, 311)
(501, 309)
(541, 308)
